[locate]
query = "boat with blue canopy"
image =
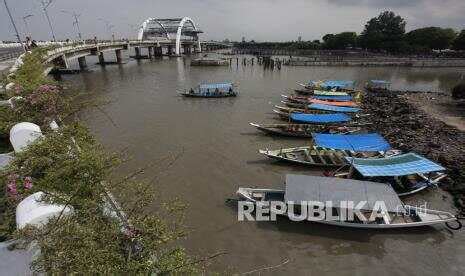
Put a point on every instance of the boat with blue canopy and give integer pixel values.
(330, 100)
(334, 98)
(329, 93)
(320, 118)
(212, 90)
(407, 173)
(353, 142)
(327, 107)
(336, 85)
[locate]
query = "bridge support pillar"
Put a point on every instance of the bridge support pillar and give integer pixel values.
(101, 59)
(187, 49)
(61, 62)
(158, 51)
(137, 50)
(82, 63)
(170, 50)
(119, 57)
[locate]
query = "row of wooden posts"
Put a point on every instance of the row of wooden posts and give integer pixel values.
(265, 61)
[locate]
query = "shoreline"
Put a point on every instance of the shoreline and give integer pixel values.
(410, 123)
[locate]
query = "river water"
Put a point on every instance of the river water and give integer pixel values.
(217, 153)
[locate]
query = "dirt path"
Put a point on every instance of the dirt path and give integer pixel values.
(440, 107)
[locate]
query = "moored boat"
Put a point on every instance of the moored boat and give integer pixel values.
(330, 100)
(380, 208)
(212, 90)
(305, 109)
(334, 149)
(308, 118)
(407, 173)
(335, 85)
(317, 156)
(303, 130)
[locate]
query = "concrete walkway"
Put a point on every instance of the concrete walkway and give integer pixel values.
(15, 262)
(5, 65)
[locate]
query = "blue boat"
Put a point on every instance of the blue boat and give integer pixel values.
(212, 90)
(320, 118)
(338, 85)
(353, 142)
(326, 107)
(333, 98)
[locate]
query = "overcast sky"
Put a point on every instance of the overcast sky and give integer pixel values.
(261, 20)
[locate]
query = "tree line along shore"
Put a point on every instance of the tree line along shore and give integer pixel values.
(382, 34)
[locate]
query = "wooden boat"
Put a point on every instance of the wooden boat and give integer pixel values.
(335, 103)
(304, 91)
(317, 156)
(300, 110)
(301, 189)
(303, 130)
(212, 90)
(359, 118)
(401, 171)
(327, 100)
(330, 85)
(302, 105)
(296, 99)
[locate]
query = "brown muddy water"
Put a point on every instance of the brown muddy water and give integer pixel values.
(218, 154)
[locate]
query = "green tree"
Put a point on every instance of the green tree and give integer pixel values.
(459, 42)
(385, 32)
(431, 38)
(339, 41)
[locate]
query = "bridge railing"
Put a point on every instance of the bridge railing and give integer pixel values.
(10, 55)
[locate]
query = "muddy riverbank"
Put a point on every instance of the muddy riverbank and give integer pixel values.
(419, 122)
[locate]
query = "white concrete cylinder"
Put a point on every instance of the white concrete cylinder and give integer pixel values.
(31, 211)
(23, 134)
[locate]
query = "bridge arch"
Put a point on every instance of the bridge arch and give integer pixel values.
(179, 32)
(172, 29)
(144, 27)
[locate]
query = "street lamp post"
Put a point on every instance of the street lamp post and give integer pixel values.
(75, 22)
(45, 5)
(108, 27)
(26, 25)
(110, 30)
(14, 25)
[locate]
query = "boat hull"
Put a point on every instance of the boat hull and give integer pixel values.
(315, 156)
(426, 217)
(188, 95)
(302, 131)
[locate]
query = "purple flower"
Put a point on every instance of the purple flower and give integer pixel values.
(11, 189)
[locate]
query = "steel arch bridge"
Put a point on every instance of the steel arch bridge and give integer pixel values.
(170, 28)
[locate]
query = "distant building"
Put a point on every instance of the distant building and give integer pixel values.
(299, 39)
(243, 39)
